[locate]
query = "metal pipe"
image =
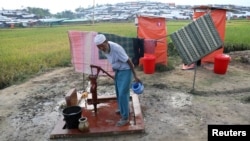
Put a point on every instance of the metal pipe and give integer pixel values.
(93, 90)
(93, 84)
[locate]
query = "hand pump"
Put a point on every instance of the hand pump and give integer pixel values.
(93, 84)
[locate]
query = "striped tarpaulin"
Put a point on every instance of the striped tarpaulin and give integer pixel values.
(197, 39)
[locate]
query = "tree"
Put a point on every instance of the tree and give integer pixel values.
(79, 9)
(66, 14)
(39, 12)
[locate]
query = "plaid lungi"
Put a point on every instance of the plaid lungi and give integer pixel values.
(125, 42)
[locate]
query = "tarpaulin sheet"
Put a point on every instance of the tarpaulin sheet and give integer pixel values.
(153, 27)
(197, 39)
(219, 19)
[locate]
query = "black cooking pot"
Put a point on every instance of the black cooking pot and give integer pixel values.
(72, 115)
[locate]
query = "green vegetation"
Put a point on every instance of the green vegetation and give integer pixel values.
(237, 35)
(28, 51)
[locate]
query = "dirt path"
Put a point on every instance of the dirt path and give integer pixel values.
(29, 111)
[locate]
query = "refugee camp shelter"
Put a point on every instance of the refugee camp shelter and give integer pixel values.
(219, 18)
(154, 27)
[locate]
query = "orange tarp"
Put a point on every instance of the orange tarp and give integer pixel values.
(219, 18)
(152, 27)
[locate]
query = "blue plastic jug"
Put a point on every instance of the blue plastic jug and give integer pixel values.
(137, 87)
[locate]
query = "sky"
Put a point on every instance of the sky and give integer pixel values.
(55, 6)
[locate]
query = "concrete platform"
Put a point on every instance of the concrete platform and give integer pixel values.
(103, 122)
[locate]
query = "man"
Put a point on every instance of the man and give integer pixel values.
(124, 69)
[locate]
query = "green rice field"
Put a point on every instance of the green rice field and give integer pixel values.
(27, 51)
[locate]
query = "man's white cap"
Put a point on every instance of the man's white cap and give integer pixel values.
(99, 39)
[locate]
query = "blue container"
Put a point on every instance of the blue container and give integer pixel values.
(137, 87)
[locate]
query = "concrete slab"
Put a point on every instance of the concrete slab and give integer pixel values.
(103, 122)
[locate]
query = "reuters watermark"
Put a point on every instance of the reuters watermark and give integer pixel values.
(235, 132)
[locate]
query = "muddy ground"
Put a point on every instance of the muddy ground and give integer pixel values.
(29, 111)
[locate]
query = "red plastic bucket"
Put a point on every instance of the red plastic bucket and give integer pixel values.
(221, 62)
(149, 64)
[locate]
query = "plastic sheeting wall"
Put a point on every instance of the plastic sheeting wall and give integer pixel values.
(154, 28)
(219, 19)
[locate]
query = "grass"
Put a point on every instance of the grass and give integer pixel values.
(27, 51)
(237, 32)
(237, 37)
